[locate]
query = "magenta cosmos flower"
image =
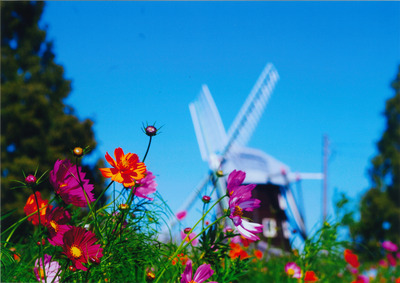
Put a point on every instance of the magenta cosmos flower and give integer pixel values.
(202, 274)
(50, 267)
(147, 186)
(79, 246)
(235, 181)
(56, 220)
(389, 246)
(65, 181)
(238, 203)
(293, 270)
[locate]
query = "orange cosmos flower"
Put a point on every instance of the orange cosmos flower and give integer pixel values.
(258, 254)
(351, 258)
(127, 168)
(310, 277)
(237, 251)
(31, 207)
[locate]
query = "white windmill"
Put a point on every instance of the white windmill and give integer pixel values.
(227, 151)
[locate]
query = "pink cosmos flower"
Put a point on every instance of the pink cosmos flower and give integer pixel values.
(383, 263)
(65, 181)
(389, 246)
(181, 215)
(362, 279)
(51, 268)
(147, 186)
(187, 238)
(56, 220)
(353, 270)
(293, 270)
(79, 246)
(202, 274)
(391, 259)
(237, 204)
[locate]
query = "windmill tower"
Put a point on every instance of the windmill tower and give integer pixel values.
(227, 151)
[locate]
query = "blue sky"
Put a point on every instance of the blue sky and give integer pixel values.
(132, 62)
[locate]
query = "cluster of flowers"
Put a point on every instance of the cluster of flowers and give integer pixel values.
(69, 183)
(294, 271)
(79, 244)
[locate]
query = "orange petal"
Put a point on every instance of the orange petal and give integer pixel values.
(110, 160)
(118, 153)
(117, 178)
(128, 180)
(133, 158)
(106, 172)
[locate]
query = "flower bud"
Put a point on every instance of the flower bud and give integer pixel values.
(43, 242)
(150, 276)
(220, 173)
(151, 131)
(78, 151)
(123, 206)
(206, 199)
(187, 230)
(71, 268)
(30, 179)
(94, 259)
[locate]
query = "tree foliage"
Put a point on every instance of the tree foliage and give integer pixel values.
(380, 206)
(37, 127)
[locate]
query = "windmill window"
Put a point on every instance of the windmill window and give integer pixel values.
(269, 229)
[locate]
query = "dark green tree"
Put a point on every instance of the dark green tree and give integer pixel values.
(380, 206)
(37, 127)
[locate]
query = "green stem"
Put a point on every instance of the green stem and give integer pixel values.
(197, 223)
(147, 151)
(41, 255)
(96, 225)
(205, 229)
(19, 222)
(122, 219)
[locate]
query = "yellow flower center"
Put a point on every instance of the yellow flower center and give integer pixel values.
(63, 185)
(41, 273)
(290, 272)
(75, 251)
(238, 211)
(54, 225)
(125, 163)
(192, 281)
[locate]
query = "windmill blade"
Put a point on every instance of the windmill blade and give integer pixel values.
(192, 198)
(294, 212)
(210, 131)
(247, 119)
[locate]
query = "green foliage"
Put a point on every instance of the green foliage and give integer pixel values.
(380, 206)
(37, 127)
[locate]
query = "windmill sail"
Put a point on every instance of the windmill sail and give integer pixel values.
(249, 115)
(210, 131)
